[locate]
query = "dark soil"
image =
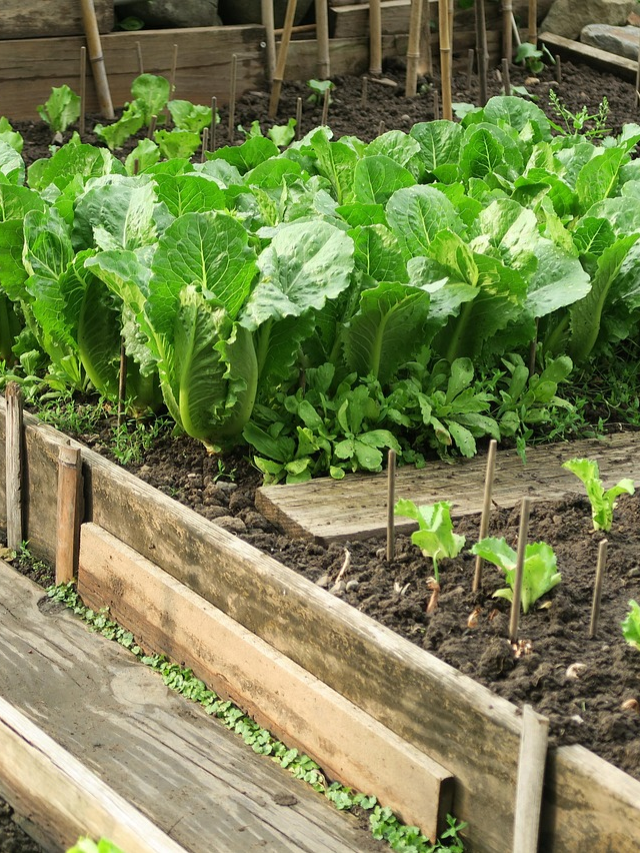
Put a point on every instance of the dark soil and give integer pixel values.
(12, 838)
(586, 709)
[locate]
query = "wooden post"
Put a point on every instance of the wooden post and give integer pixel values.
(445, 59)
(486, 509)
(506, 78)
(270, 38)
(83, 90)
(140, 60)
(96, 58)
(13, 450)
(507, 32)
(533, 21)
(278, 76)
(174, 71)
(531, 767)
(322, 35)
(391, 502)
(375, 38)
(597, 589)
(232, 96)
(517, 583)
(481, 40)
(413, 49)
(69, 512)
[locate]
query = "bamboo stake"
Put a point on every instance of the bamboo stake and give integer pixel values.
(507, 32)
(232, 96)
(428, 52)
(298, 117)
(471, 55)
(413, 49)
(597, 589)
(436, 106)
(506, 78)
(140, 62)
(365, 90)
(270, 37)
(391, 502)
(68, 513)
(533, 21)
(282, 58)
(152, 126)
(559, 69)
(381, 127)
(486, 509)
(445, 59)
(13, 465)
(517, 581)
(325, 108)
(174, 70)
(322, 36)
(122, 382)
(83, 90)
(637, 94)
(214, 122)
(515, 30)
(96, 58)
(531, 767)
(451, 14)
(375, 38)
(205, 145)
(481, 39)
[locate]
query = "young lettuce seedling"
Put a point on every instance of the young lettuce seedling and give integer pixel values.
(61, 109)
(602, 503)
(539, 572)
(631, 625)
(435, 538)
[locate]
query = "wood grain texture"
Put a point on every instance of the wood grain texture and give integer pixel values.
(14, 466)
(68, 509)
(568, 48)
(355, 508)
(168, 618)
(70, 800)
(194, 779)
(33, 18)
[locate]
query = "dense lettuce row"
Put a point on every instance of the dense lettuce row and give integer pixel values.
(333, 299)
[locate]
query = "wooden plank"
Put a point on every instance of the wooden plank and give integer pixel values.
(533, 760)
(355, 508)
(33, 18)
(627, 68)
(166, 617)
(29, 67)
(193, 778)
(352, 21)
(47, 779)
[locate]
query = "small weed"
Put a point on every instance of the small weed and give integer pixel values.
(68, 415)
(133, 439)
(590, 126)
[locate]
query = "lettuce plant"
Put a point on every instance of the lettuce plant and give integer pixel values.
(540, 568)
(602, 502)
(61, 109)
(435, 538)
(191, 117)
(9, 136)
(631, 625)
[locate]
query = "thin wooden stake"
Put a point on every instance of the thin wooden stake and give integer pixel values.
(325, 108)
(426, 39)
(232, 96)
(122, 384)
(471, 55)
(436, 106)
(533, 22)
(205, 145)
(506, 78)
(270, 37)
(214, 122)
(486, 509)
(558, 69)
(381, 127)
(174, 70)
(531, 767)
(322, 36)
(298, 118)
(152, 126)
(481, 40)
(445, 59)
(375, 38)
(507, 32)
(13, 464)
(515, 30)
(68, 513)
(597, 589)
(278, 76)
(391, 502)
(517, 581)
(413, 49)
(637, 94)
(96, 58)
(365, 90)
(83, 90)
(140, 62)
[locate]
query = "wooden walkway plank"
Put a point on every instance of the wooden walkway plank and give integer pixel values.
(593, 56)
(194, 779)
(329, 510)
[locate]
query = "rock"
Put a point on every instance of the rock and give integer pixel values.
(352, 585)
(173, 13)
(568, 17)
(623, 41)
(323, 582)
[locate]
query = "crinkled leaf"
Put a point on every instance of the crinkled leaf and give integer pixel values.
(417, 213)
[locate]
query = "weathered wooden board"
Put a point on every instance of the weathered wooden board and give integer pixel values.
(29, 67)
(64, 799)
(591, 55)
(461, 725)
(33, 18)
(167, 618)
(194, 779)
(355, 508)
(353, 21)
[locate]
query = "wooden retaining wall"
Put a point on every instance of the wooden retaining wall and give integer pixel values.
(588, 804)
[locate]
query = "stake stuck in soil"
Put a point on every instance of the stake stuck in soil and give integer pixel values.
(413, 49)
(597, 589)
(278, 76)
(139, 54)
(96, 58)
(486, 509)
(68, 513)
(436, 106)
(506, 79)
(205, 144)
(325, 108)
(471, 55)
(481, 49)
(122, 382)
(232, 96)
(445, 59)
(14, 466)
(214, 122)
(174, 70)
(322, 36)
(298, 117)
(152, 126)
(558, 69)
(83, 90)
(365, 90)
(391, 502)
(517, 581)
(533, 21)
(375, 38)
(507, 32)
(270, 37)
